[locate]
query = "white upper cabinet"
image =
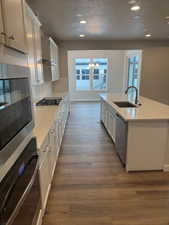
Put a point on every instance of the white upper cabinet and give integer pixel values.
(38, 51)
(33, 34)
(54, 60)
(31, 48)
(14, 27)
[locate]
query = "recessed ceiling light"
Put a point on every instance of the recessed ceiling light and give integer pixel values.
(83, 21)
(82, 35)
(135, 8)
(148, 35)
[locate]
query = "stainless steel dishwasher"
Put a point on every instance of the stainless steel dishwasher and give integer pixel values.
(121, 137)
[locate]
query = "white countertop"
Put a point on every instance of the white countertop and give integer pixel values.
(149, 109)
(44, 117)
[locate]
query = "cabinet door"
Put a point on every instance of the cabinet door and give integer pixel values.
(54, 60)
(53, 153)
(38, 55)
(31, 47)
(33, 34)
(14, 24)
(57, 62)
(44, 172)
(102, 111)
(57, 138)
(112, 125)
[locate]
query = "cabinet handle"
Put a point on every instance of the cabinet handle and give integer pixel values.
(11, 37)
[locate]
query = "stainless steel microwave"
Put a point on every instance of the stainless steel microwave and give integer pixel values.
(16, 120)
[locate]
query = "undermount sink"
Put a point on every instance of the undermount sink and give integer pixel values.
(124, 104)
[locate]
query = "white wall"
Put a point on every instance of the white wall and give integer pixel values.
(41, 91)
(116, 78)
(155, 74)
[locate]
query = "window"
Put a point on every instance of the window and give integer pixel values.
(82, 81)
(91, 73)
(133, 64)
(100, 81)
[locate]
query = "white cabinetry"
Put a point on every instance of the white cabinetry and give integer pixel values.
(50, 150)
(38, 51)
(50, 57)
(111, 126)
(108, 117)
(44, 172)
(48, 159)
(54, 60)
(45, 179)
(33, 34)
(13, 32)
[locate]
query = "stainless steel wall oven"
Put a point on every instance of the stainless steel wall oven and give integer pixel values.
(20, 198)
(15, 108)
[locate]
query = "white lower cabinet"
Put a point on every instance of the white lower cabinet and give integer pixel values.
(108, 117)
(53, 153)
(111, 126)
(45, 179)
(50, 150)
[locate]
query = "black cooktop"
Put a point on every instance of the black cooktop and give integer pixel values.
(49, 101)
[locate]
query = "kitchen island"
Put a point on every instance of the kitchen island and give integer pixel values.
(140, 133)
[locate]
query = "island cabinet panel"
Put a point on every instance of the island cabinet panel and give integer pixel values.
(14, 24)
(146, 145)
(111, 126)
(108, 118)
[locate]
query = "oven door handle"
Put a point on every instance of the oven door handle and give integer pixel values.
(9, 193)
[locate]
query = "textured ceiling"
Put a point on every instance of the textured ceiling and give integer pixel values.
(106, 19)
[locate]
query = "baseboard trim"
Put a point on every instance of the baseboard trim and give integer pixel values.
(166, 168)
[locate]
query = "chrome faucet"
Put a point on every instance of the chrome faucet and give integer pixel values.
(136, 98)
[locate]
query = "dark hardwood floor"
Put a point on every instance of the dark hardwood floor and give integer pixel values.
(90, 186)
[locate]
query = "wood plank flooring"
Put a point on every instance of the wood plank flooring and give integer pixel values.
(90, 186)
